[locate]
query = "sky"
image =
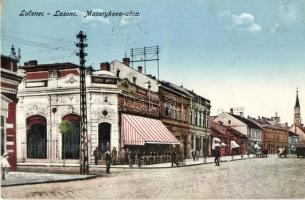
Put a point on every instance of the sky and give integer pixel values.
(235, 53)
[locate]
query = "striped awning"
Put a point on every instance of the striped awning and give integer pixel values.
(138, 130)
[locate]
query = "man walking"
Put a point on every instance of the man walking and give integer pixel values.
(96, 155)
(130, 158)
(108, 161)
(217, 155)
(174, 158)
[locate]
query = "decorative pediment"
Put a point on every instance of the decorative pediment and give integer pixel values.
(35, 109)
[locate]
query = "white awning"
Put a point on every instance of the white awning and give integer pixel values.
(216, 143)
(223, 144)
(234, 144)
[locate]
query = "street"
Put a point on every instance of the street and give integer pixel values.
(252, 178)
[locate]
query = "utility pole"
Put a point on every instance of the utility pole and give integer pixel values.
(84, 159)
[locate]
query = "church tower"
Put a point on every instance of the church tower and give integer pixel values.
(297, 111)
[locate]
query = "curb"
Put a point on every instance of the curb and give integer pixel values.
(189, 165)
(50, 181)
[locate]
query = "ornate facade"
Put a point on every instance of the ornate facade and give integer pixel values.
(50, 94)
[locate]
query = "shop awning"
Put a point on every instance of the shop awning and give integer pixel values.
(223, 144)
(256, 146)
(216, 143)
(138, 130)
(234, 144)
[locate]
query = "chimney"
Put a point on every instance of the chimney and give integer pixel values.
(105, 66)
(126, 61)
(140, 69)
(241, 114)
(32, 63)
(231, 110)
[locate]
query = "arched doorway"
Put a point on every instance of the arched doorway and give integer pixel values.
(36, 137)
(71, 141)
(104, 131)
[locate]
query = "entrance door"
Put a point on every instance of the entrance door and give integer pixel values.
(71, 141)
(104, 130)
(36, 137)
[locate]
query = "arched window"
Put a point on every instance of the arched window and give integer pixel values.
(36, 137)
(71, 141)
(104, 132)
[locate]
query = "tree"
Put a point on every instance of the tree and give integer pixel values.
(64, 128)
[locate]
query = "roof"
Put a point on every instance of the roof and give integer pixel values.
(175, 87)
(9, 58)
(301, 127)
(66, 65)
(246, 121)
(290, 133)
(265, 124)
(181, 89)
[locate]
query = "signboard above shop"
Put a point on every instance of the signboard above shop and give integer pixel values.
(103, 80)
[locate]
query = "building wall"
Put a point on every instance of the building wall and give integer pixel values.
(300, 132)
(129, 73)
(229, 120)
(60, 97)
(9, 83)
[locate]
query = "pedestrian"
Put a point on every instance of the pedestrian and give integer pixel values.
(5, 165)
(130, 158)
(174, 158)
(96, 155)
(108, 161)
(138, 158)
(126, 156)
(194, 154)
(197, 155)
(114, 155)
(217, 156)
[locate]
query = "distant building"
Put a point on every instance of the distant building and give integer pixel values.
(274, 136)
(244, 126)
(297, 127)
(229, 138)
(9, 83)
(293, 141)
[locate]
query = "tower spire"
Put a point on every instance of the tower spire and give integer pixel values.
(297, 110)
(297, 103)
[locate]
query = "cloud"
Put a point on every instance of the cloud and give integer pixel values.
(275, 27)
(92, 19)
(128, 20)
(246, 21)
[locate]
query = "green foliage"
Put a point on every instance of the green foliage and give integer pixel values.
(64, 127)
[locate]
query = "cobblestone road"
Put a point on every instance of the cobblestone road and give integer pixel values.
(254, 178)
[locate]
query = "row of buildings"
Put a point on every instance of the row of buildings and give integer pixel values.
(125, 109)
(251, 134)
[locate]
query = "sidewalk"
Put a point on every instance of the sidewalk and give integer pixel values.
(68, 173)
(188, 162)
(24, 178)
